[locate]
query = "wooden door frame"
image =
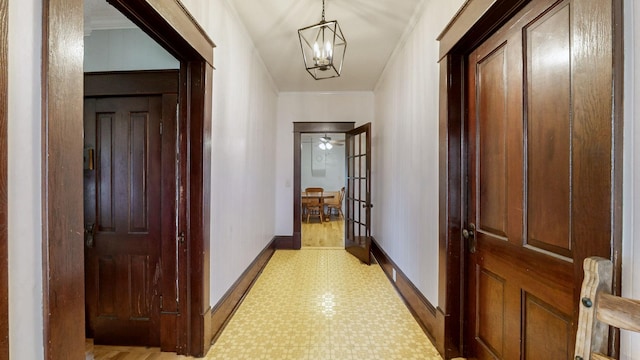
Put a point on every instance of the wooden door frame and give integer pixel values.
(474, 23)
(4, 237)
(170, 24)
(298, 129)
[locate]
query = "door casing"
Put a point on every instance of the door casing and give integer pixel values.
(474, 23)
(175, 29)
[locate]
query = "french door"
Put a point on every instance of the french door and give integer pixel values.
(358, 193)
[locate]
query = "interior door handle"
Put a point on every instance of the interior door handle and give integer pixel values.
(470, 235)
(89, 234)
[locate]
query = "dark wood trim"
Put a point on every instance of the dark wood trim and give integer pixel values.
(183, 321)
(322, 127)
(476, 21)
(283, 242)
(451, 198)
(459, 25)
(423, 311)
(229, 303)
(171, 25)
(618, 151)
(62, 164)
(168, 248)
(4, 269)
(124, 83)
(196, 225)
(298, 129)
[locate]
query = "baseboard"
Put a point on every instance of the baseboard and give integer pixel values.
(228, 304)
(284, 242)
(423, 311)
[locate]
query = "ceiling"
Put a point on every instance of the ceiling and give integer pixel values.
(372, 28)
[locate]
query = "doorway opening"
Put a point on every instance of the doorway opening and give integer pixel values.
(357, 197)
(311, 131)
(176, 31)
(129, 183)
(323, 181)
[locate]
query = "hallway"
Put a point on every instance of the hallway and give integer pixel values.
(313, 304)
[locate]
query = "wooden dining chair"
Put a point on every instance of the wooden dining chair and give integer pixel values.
(335, 203)
(599, 309)
(313, 205)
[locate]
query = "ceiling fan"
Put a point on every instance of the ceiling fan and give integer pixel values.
(326, 143)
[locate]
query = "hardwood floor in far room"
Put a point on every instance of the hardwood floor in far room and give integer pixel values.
(103, 352)
(328, 234)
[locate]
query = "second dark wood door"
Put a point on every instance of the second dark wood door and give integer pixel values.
(531, 166)
(123, 204)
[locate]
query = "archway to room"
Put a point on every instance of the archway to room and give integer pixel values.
(174, 29)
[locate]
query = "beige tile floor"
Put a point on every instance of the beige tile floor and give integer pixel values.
(322, 304)
(311, 304)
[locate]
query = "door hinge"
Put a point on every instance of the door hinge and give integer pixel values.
(160, 302)
(161, 128)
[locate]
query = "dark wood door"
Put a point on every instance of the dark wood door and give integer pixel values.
(358, 193)
(123, 206)
(526, 159)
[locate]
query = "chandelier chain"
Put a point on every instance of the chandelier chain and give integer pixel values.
(322, 10)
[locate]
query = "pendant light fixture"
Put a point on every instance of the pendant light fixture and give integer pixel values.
(323, 46)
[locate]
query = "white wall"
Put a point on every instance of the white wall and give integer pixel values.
(322, 168)
(243, 146)
(405, 151)
(630, 344)
(125, 49)
(25, 220)
(309, 107)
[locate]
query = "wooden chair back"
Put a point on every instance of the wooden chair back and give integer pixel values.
(313, 206)
(599, 309)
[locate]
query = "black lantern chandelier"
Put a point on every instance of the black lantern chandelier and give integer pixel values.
(323, 47)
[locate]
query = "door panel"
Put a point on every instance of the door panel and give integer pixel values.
(492, 194)
(549, 132)
(491, 302)
(358, 193)
(547, 332)
(123, 200)
(521, 277)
